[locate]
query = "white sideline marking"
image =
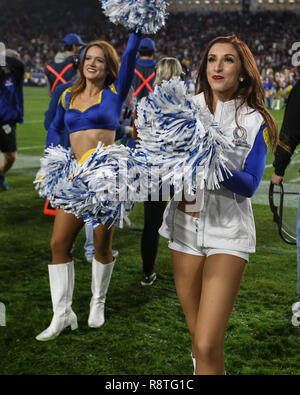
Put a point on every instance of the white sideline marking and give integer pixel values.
(32, 147)
(262, 196)
(293, 162)
(26, 161)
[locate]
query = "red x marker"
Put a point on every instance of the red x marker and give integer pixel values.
(59, 76)
(145, 82)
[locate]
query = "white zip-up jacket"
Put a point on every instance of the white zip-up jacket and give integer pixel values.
(226, 219)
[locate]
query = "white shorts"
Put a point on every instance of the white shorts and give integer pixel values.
(185, 239)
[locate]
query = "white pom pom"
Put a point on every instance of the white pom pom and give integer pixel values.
(181, 137)
(56, 165)
(147, 16)
(105, 187)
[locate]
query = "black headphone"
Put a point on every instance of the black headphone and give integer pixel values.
(76, 61)
(77, 58)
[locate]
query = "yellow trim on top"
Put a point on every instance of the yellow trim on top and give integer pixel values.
(63, 98)
(84, 109)
(113, 89)
(266, 136)
(86, 155)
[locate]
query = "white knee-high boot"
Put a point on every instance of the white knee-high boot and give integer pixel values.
(61, 279)
(101, 275)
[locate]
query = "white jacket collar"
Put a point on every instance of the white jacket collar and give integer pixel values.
(224, 109)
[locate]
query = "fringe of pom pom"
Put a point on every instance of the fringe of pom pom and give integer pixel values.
(147, 16)
(56, 168)
(181, 137)
(179, 144)
(102, 190)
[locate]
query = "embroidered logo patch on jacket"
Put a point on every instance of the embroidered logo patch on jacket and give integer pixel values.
(240, 137)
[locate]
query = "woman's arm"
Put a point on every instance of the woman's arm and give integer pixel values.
(128, 61)
(246, 182)
(57, 126)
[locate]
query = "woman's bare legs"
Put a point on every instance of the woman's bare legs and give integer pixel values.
(219, 277)
(65, 229)
(103, 235)
(187, 271)
(222, 275)
(62, 275)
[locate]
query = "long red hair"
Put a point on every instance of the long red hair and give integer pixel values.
(112, 63)
(250, 90)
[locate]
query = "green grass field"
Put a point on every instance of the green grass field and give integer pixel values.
(145, 330)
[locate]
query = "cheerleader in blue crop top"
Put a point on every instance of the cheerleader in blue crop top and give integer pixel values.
(90, 111)
(107, 91)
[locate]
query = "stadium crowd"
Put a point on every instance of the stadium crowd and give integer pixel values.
(37, 34)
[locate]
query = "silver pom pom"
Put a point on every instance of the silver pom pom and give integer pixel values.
(147, 16)
(56, 167)
(181, 137)
(104, 188)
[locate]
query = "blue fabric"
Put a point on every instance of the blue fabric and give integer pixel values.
(131, 143)
(104, 115)
(146, 62)
(11, 101)
(120, 132)
(50, 113)
(246, 182)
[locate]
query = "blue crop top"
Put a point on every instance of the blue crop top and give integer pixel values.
(105, 113)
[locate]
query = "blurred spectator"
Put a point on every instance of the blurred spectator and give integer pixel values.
(11, 110)
(289, 140)
(61, 69)
(37, 32)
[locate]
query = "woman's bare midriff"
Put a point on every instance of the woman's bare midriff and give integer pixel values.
(85, 140)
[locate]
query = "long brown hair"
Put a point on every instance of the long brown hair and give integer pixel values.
(250, 90)
(112, 63)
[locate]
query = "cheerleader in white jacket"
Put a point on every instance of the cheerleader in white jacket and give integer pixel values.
(210, 240)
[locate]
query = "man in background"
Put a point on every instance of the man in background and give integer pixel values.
(289, 139)
(142, 84)
(61, 69)
(11, 110)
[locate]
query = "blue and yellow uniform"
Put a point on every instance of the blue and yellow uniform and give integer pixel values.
(105, 113)
(268, 91)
